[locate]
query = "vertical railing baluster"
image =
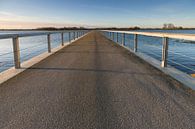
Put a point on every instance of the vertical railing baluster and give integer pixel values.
(165, 52)
(16, 50)
(62, 34)
(113, 36)
(123, 38)
(117, 37)
(49, 42)
(69, 36)
(135, 42)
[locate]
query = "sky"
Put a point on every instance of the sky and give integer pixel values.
(26, 14)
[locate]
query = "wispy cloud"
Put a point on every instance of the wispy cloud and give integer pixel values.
(8, 16)
(13, 21)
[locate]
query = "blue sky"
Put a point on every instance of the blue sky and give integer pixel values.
(96, 13)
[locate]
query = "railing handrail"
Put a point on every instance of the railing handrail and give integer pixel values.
(182, 77)
(158, 34)
(165, 39)
(7, 36)
(15, 40)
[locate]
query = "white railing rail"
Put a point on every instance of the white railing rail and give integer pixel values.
(190, 37)
(15, 39)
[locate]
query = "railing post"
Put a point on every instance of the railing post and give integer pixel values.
(113, 36)
(49, 42)
(165, 52)
(16, 50)
(69, 36)
(62, 38)
(117, 37)
(135, 42)
(74, 35)
(123, 38)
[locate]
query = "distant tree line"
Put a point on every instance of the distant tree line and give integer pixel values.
(171, 26)
(115, 28)
(83, 28)
(64, 28)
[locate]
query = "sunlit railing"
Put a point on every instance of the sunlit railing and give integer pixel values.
(167, 48)
(65, 37)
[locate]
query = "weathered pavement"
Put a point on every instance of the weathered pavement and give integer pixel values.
(94, 84)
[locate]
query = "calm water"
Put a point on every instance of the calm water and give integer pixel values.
(181, 53)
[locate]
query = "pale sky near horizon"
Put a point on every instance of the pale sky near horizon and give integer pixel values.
(20, 14)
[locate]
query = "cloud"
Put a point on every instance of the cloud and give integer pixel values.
(5, 13)
(15, 21)
(8, 16)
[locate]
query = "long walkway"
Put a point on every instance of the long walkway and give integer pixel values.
(94, 84)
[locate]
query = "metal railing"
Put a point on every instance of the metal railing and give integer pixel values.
(121, 37)
(72, 35)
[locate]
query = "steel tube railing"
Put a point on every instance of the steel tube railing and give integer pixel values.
(165, 40)
(16, 44)
(158, 34)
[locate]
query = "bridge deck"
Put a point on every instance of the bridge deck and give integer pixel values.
(94, 83)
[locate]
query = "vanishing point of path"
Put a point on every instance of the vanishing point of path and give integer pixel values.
(94, 84)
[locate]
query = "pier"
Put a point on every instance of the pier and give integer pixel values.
(94, 82)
